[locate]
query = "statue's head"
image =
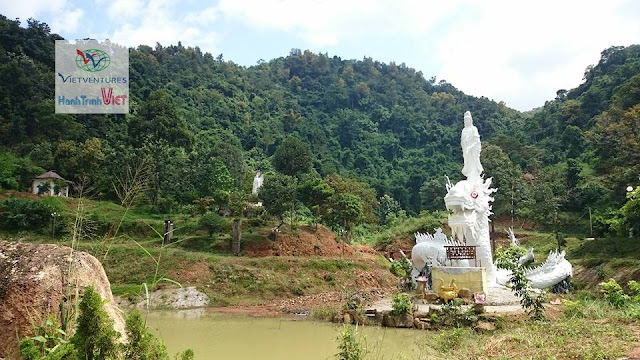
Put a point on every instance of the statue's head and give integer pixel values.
(468, 121)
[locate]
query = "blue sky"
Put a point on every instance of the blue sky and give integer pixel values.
(512, 51)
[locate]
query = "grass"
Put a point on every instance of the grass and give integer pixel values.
(326, 312)
(602, 333)
(380, 236)
(200, 260)
(230, 280)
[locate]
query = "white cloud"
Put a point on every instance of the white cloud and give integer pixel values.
(523, 53)
(65, 17)
(69, 21)
(204, 17)
(26, 9)
(327, 22)
(122, 10)
(159, 22)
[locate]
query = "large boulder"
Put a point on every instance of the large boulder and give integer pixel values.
(36, 279)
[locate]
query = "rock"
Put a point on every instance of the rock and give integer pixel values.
(388, 320)
(404, 321)
(356, 318)
(172, 298)
(556, 301)
(33, 283)
(399, 321)
(465, 293)
(478, 308)
(485, 326)
(431, 297)
(417, 323)
(421, 314)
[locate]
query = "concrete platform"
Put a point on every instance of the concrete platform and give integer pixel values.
(500, 300)
(385, 305)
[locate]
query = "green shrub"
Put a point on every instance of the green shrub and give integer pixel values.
(632, 312)
(349, 346)
(21, 214)
(142, 345)
(185, 355)
(401, 268)
(49, 342)
(166, 206)
(613, 292)
(634, 288)
(95, 337)
(574, 309)
(401, 304)
(213, 223)
(507, 258)
(453, 315)
(450, 339)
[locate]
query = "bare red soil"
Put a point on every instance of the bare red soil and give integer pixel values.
(306, 241)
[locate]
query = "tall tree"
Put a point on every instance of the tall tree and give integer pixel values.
(158, 118)
(346, 211)
(278, 194)
(293, 157)
(315, 194)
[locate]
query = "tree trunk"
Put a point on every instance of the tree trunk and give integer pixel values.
(235, 240)
(293, 214)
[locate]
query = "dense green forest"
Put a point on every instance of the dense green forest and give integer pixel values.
(361, 137)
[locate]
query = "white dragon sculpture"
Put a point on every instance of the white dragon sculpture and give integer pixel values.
(469, 204)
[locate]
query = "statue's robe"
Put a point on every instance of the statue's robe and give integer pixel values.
(471, 147)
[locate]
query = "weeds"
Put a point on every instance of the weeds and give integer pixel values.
(614, 294)
(325, 313)
(49, 341)
(401, 304)
(449, 340)
(349, 345)
(508, 259)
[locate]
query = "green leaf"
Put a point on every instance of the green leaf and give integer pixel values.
(39, 338)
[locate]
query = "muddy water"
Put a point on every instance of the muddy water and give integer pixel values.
(225, 336)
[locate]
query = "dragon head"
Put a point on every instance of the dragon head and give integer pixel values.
(469, 204)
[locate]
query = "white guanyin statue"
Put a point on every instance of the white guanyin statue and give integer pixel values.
(471, 148)
(257, 182)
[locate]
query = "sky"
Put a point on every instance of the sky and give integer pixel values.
(519, 52)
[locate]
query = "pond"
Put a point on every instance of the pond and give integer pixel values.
(227, 336)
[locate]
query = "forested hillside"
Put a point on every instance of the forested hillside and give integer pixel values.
(205, 125)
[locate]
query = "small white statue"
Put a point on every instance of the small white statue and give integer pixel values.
(471, 148)
(257, 182)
